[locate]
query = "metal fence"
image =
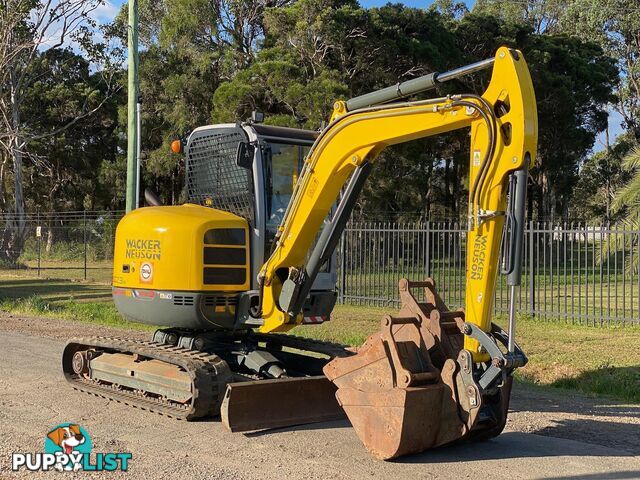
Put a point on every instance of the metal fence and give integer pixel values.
(64, 245)
(581, 273)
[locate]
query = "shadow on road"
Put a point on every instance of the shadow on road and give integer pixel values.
(513, 445)
(530, 398)
(344, 423)
(623, 475)
(623, 436)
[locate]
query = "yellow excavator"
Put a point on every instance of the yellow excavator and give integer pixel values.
(251, 256)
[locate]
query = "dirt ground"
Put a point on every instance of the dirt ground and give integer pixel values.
(550, 433)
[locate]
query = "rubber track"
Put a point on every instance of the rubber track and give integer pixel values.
(209, 375)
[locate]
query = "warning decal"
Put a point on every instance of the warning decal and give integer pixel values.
(146, 272)
(476, 158)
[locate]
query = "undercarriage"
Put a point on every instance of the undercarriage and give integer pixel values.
(410, 387)
(189, 375)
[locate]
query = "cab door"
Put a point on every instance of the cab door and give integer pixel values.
(213, 179)
(282, 159)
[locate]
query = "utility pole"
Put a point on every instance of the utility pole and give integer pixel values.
(132, 114)
(138, 143)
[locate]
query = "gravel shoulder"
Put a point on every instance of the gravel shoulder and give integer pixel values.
(577, 436)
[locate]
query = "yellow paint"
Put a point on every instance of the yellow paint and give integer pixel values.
(364, 134)
(171, 239)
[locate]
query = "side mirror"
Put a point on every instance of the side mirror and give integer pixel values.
(244, 155)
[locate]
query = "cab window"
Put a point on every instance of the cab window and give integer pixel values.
(283, 164)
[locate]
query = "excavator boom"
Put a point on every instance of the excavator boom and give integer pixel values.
(503, 124)
(430, 376)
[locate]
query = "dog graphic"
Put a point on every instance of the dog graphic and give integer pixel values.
(67, 438)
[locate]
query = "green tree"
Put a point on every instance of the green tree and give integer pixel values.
(626, 209)
(62, 164)
(615, 26)
(573, 81)
(205, 61)
(318, 51)
(29, 29)
(600, 177)
(189, 47)
(627, 199)
(543, 16)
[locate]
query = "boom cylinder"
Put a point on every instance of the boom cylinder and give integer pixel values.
(519, 217)
(414, 86)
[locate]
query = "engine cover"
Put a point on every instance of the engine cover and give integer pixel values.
(181, 266)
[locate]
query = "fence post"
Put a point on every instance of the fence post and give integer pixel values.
(84, 234)
(343, 274)
(532, 275)
(427, 257)
(39, 239)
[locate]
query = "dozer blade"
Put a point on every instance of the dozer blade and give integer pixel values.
(263, 404)
(409, 387)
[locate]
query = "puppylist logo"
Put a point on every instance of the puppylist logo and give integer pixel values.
(68, 448)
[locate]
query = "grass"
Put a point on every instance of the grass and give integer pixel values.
(97, 271)
(601, 361)
(611, 296)
(76, 301)
(591, 360)
(584, 292)
(53, 290)
(85, 312)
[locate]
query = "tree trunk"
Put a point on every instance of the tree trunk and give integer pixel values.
(551, 193)
(455, 191)
(49, 239)
(428, 191)
(13, 236)
(447, 185)
(3, 173)
(538, 196)
(14, 233)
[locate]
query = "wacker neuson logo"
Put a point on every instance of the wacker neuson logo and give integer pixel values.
(68, 448)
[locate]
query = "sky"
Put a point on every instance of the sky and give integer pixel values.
(109, 10)
(409, 3)
(365, 3)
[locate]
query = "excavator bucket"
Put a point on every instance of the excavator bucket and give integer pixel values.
(410, 387)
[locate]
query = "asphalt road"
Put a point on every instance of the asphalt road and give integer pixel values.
(34, 398)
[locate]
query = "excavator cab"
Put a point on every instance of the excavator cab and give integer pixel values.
(250, 170)
(239, 181)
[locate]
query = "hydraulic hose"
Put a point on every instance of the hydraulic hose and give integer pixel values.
(480, 179)
(489, 119)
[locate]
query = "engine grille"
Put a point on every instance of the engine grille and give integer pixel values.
(183, 300)
(213, 178)
(218, 301)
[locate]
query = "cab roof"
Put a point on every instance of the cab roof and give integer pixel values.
(284, 132)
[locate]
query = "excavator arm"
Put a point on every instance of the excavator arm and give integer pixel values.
(430, 376)
(503, 136)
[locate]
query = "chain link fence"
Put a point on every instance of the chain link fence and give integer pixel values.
(62, 245)
(582, 273)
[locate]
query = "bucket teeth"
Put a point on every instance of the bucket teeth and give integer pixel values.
(404, 391)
